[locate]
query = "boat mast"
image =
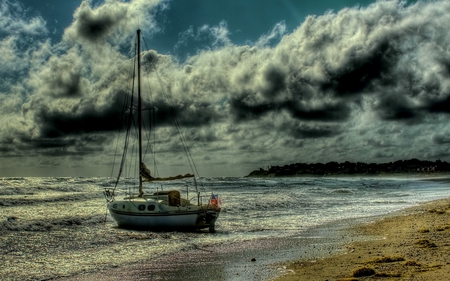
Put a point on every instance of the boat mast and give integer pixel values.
(139, 109)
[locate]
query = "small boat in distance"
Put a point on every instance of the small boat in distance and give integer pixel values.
(162, 209)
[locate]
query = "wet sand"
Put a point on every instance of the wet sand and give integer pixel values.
(251, 260)
(413, 244)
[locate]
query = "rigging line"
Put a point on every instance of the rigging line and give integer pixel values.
(151, 126)
(80, 212)
(128, 126)
(177, 124)
(152, 122)
(148, 135)
(98, 208)
(132, 162)
(154, 142)
(178, 127)
(134, 147)
(120, 132)
(151, 146)
(124, 156)
(183, 140)
(123, 116)
(152, 115)
(106, 214)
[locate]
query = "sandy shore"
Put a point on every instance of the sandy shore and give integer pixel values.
(413, 244)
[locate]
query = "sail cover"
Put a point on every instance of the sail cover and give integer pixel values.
(146, 175)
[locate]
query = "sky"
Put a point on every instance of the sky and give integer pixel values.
(253, 83)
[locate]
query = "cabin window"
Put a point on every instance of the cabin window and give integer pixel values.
(151, 207)
(141, 207)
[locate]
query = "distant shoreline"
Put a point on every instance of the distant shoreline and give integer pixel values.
(402, 168)
(419, 176)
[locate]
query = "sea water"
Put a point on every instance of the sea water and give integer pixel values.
(60, 228)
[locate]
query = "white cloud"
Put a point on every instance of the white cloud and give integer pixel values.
(216, 36)
(277, 32)
(13, 20)
(113, 21)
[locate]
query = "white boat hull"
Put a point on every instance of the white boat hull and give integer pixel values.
(127, 215)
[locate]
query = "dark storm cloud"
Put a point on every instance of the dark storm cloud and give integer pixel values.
(359, 72)
(326, 112)
(112, 20)
(67, 146)
(440, 106)
(382, 155)
(96, 26)
(52, 143)
(275, 82)
(378, 143)
(313, 132)
(187, 114)
(85, 117)
(245, 107)
(396, 107)
(65, 84)
(441, 139)
(149, 60)
(78, 144)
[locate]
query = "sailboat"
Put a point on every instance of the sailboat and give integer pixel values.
(159, 210)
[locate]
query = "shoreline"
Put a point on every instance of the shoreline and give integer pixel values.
(410, 244)
(249, 260)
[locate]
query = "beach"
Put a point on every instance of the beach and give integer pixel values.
(283, 229)
(412, 244)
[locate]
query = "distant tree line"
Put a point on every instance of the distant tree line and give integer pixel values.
(412, 166)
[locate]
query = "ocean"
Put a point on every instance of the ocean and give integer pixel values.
(59, 228)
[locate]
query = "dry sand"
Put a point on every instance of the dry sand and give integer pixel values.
(412, 245)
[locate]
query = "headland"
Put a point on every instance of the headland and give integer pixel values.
(412, 167)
